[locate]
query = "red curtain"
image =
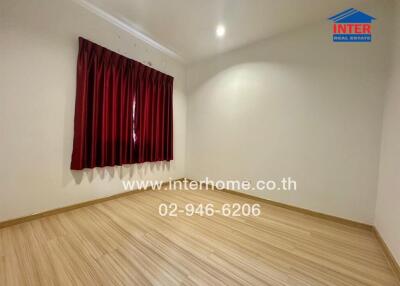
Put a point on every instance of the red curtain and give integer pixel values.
(123, 111)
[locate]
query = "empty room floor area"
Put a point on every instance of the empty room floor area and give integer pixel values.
(126, 241)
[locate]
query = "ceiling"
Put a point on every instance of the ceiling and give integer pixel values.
(186, 28)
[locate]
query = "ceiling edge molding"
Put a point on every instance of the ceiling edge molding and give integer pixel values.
(128, 28)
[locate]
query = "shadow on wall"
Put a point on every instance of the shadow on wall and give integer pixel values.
(296, 48)
(126, 171)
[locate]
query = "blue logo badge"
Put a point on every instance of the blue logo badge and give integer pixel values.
(352, 25)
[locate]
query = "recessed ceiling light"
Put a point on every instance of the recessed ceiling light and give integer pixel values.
(220, 31)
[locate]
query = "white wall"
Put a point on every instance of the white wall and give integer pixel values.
(39, 45)
(294, 105)
(387, 217)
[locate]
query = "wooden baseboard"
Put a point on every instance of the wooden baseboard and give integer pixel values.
(392, 261)
(96, 201)
(389, 256)
(23, 219)
(297, 209)
(305, 211)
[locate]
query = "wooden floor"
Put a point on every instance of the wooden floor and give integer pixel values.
(126, 242)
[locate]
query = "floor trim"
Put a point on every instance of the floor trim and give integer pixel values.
(298, 209)
(304, 211)
(23, 219)
(389, 256)
(282, 205)
(391, 260)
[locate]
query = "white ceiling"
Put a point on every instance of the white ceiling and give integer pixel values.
(187, 27)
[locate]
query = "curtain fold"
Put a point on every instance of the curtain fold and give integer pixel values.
(123, 111)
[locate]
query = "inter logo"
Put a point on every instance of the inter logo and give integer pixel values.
(352, 25)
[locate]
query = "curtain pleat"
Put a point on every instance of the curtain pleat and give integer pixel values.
(123, 111)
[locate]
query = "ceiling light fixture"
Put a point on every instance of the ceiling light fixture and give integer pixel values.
(220, 31)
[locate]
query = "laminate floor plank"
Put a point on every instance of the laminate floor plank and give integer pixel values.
(126, 242)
